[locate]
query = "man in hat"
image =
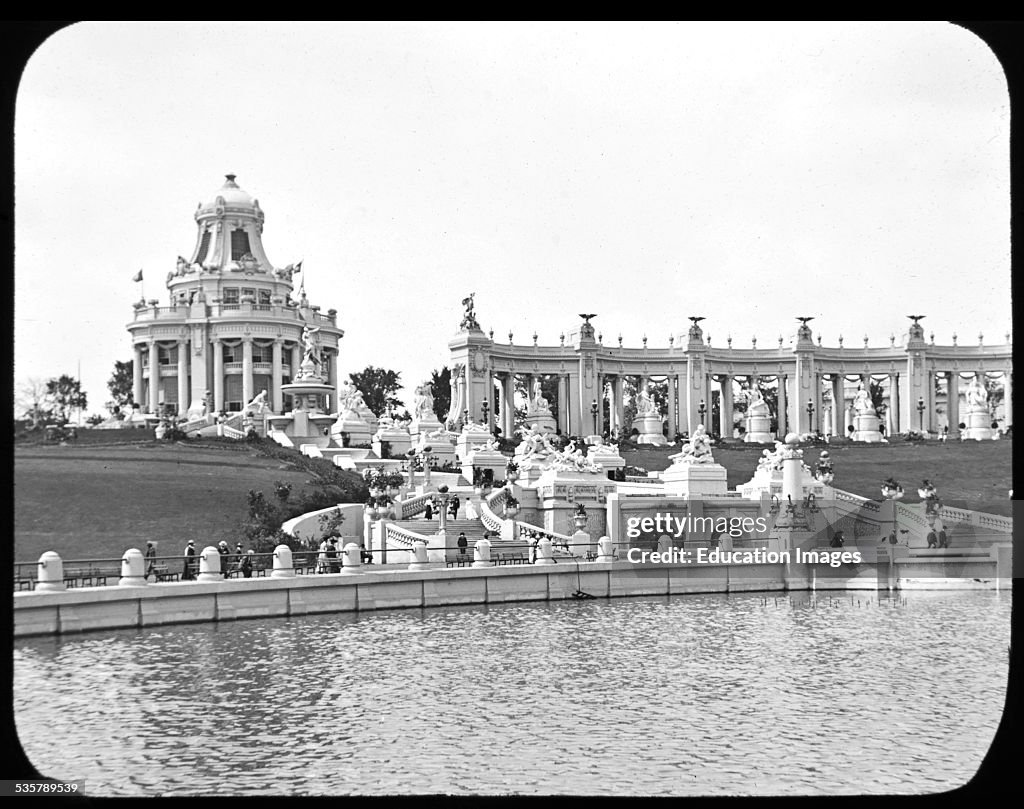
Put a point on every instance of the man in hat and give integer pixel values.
(190, 553)
(224, 553)
(150, 558)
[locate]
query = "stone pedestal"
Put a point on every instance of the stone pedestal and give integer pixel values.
(352, 424)
(978, 425)
(559, 492)
(759, 426)
(396, 437)
(441, 443)
(606, 457)
(422, 426)
(471, 437)
(650, 430)
(484, 458)
(544, 421)
(699, 478)
(865, 428)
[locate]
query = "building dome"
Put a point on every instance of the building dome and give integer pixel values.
(229, 195)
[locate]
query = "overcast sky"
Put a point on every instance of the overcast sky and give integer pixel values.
(749, 173)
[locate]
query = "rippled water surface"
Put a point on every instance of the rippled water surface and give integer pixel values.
(693, 695)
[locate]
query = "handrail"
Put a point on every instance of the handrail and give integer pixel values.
(196, 423)
(491, 521)
(402, 535)
(414, 505)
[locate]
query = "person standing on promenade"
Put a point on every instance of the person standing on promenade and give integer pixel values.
(190, 554)
(332, 556)
(150, 558)
(321, 559)
(246, 564)
(222, 548)
(462, 542)
(455, 503)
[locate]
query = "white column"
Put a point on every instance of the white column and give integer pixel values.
(819, 417)
(247, 393)
(838, 406)
(929, 400)
(620, 405)
(672, 426)
(725, 408)
(137, 377)
(894, 401)
(563, 403)
(953, 403)
(1007, 399)
(218, 375)
(335, 382)
(276, 396)
(154, 377)
(783, 413)
(508, 388)
(182, 377)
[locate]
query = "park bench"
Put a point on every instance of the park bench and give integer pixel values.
(163, 574)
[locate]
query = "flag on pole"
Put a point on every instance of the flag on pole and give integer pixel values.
(298, 267)
(137, 276)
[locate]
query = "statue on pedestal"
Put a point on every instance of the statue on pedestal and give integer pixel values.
(423, 403)
(645, 404)
(309, 345)
(469, 316)
(976, 395)
(258, 406)
(697, 451)
(862, 402)
(538, 404)
(533, 449)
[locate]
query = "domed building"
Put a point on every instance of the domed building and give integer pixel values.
(231, 328)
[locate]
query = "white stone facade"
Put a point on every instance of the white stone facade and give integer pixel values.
(231, 328)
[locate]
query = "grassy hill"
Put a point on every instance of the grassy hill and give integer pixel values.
(95, 497)
(973, 474)
(109, 491)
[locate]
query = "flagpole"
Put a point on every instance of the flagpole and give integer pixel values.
(79, 388)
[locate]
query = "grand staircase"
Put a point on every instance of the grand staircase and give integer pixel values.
(472, 528)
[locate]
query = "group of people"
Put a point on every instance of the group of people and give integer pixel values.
(327, 561)
(453, 508)
(243, 561)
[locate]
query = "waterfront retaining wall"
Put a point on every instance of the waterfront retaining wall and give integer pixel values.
(117, 607)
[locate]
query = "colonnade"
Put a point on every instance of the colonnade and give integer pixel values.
(825, 406)
(195, 380)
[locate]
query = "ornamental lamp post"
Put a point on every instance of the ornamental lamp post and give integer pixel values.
(810, 417)
(892, 491)
(484, 407)
(593, 412)
(920, 412)
(702, 408)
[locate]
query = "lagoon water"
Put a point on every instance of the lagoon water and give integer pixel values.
(751, 694)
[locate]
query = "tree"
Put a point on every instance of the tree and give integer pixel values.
(32, 402)
(996, 390)
(441, 390)
(66, 394)
(377, 386)
(121, 385)
(877, 397)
